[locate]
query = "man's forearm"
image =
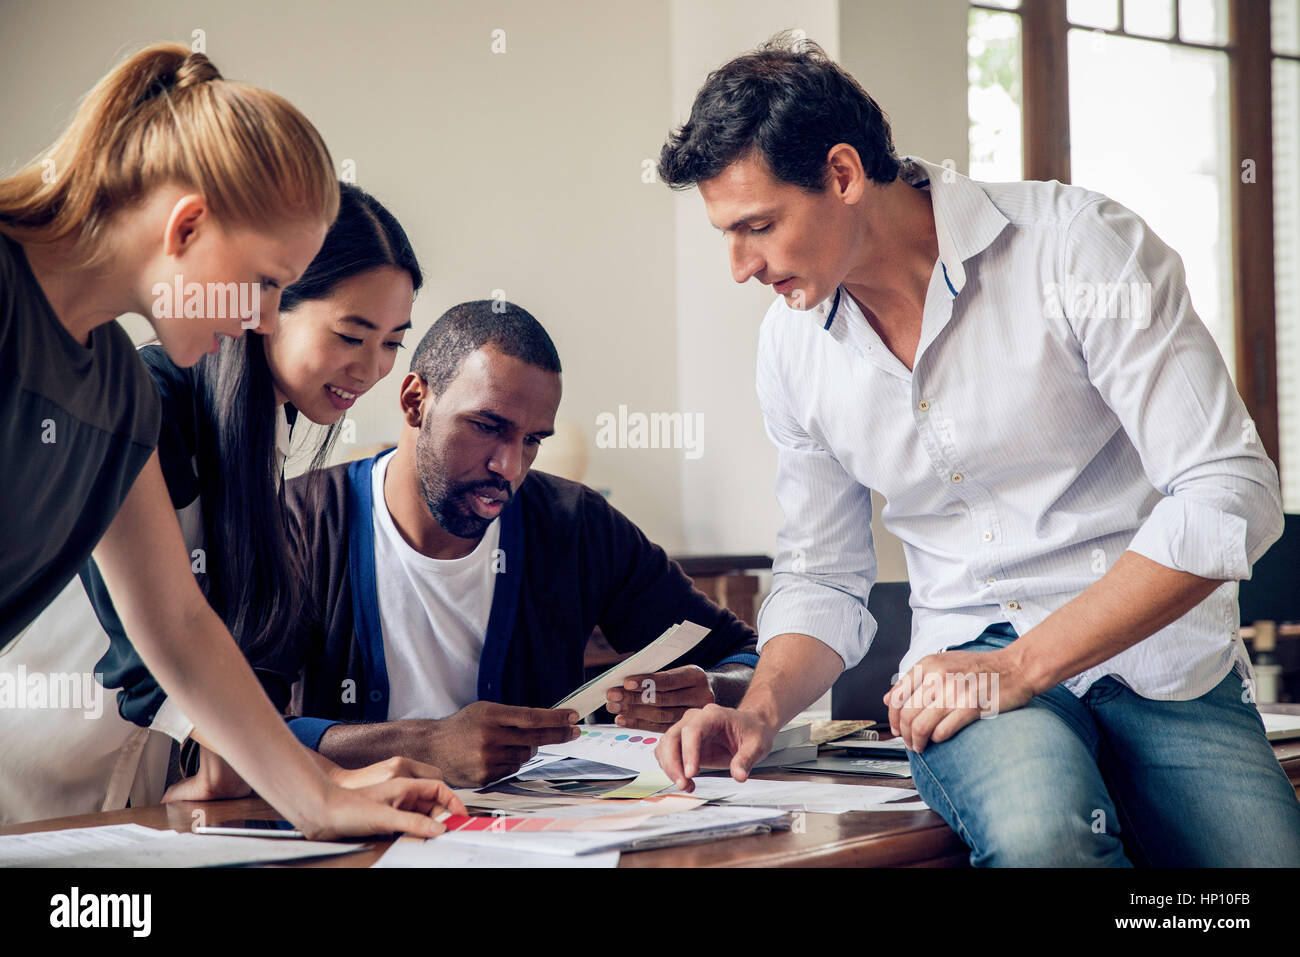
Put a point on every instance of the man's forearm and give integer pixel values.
(357, 745)
(793, 672)
(729, 683)
(1132, 601)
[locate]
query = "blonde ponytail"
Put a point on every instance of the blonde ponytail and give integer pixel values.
(166, 115)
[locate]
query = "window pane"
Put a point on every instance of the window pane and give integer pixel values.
(1149, 128)
(993, 97)
(1286, 263)
(1093, 13)
(1286, 27)
(1151, 18)
(1204, 21)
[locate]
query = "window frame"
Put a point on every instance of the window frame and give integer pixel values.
(1045, 135)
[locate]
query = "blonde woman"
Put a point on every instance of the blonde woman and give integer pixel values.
(169, 178)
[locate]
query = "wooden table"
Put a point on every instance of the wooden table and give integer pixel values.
(855, 839)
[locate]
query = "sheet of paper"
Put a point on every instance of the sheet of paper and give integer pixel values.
(436, 852)
(600, 815)
(669, 646)
(1274, 722)
(647, 783)
(811, 796)
(703, 823)
(610, 744)
(131, 845)
(17, 849)
(522, 803)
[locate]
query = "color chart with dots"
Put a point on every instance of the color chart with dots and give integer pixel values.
(610, 744)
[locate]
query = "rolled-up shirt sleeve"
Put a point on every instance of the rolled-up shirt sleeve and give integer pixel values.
(1158, 369)
(825, 563)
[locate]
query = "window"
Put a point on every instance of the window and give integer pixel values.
(1286, 239)
(1149, 128)
(993, 45)
(1157, 103)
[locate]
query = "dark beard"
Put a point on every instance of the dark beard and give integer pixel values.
(446, 501)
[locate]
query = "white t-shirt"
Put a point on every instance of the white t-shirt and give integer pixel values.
(434, 615)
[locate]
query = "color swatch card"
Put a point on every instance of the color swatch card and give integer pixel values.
(610, 744)
(601, 816)
(671, 645)
(668, 830)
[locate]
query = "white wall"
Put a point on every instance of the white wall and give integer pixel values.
(911, 57)
(727, 493)
(518, 171)
(523, 172)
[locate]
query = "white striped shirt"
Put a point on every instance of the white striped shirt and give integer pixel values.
(1042, 431)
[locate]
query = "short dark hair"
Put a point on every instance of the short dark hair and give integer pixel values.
(791, 103)
(469, 327)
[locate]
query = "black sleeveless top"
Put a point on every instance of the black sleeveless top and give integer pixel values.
(77, 424)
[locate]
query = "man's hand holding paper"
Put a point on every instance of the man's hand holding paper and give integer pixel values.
(656, 702)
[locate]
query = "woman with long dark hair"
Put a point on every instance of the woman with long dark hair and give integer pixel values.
(169, 175)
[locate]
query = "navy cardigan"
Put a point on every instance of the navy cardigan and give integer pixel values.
(571, 562)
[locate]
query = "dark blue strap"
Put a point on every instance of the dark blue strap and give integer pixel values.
(835, 307)
(505, 601)
(947, 280)
(365, 596)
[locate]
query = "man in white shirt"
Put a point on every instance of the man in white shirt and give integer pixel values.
(1017, 368)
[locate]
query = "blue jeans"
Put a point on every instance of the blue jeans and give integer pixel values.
(1113, 779)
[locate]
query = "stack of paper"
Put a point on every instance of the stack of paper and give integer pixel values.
(702, 824)
(437, 852)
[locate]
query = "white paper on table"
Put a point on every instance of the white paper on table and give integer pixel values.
(671, 645)
(439, 852)
(609, 744)
(523, 803)
(811, 796)
(16, 850)
(702, 823)
(1274, 722)
(133, 845)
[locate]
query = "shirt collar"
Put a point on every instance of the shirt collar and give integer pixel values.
(965, 220)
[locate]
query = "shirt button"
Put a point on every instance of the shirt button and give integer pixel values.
(988, 537)
(923, 405)
(989, 581)
(956, 476)
(1013, 605)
